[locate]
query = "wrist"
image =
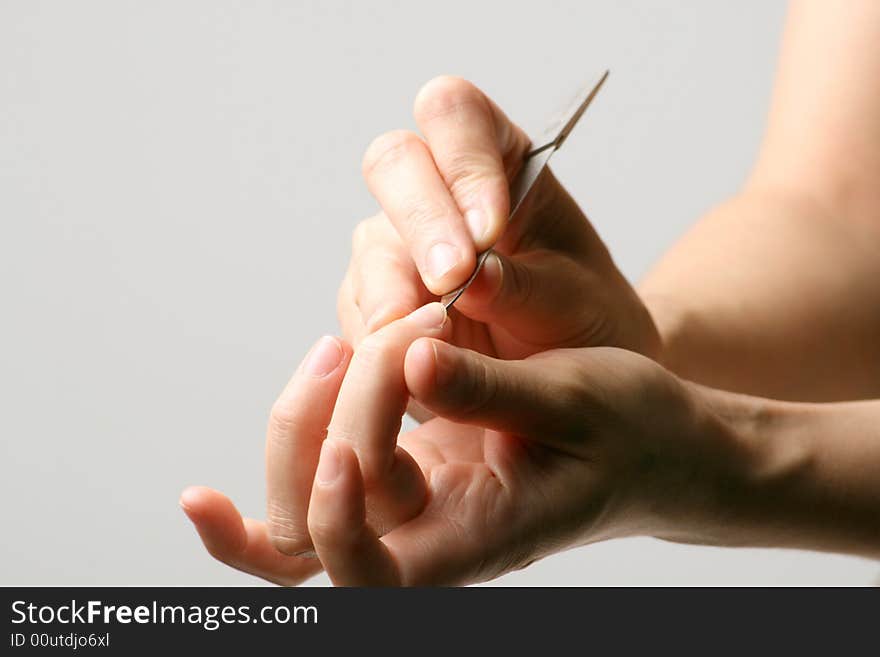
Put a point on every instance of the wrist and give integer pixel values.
(787, 475)
(740, 453)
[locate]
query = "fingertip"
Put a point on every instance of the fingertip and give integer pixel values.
(325, 356)
(438, 94)
(217, 521)
(347, 349)
(337, 465)
(485, 288)
(446, 265)
(419, 366)
(192, 500)
(488, 215)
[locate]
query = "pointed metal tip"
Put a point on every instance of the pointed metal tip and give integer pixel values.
(448, 299)
(579, 112)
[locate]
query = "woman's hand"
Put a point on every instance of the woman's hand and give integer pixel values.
(523, 459)
(527, 458)
(444, 197)
(359, 397)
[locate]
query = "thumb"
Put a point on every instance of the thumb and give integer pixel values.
(542, 398)
(542, 298)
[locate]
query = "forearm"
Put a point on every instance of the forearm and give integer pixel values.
(809, 479)
(777, 291)
(773, 295)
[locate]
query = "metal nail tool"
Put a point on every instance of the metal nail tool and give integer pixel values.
(533, 164)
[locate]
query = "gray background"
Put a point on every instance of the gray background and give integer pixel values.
(178, 182)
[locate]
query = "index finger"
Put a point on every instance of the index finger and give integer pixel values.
(293, 440)
(476, 148)
(369, 409)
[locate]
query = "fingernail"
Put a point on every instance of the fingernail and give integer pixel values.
(492, 273)
(186, 510)
(442, 257)
(307, 554)
(477, 223)
(329, 463)
(324, 357)
(186, 499)
(431, 316)
(443, 373)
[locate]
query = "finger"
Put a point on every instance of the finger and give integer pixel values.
(427, 550)
(297, 425)
(369, 409)
(385, 282)
(542, 298)
(401, 174)
(243, 544)
(542, 398)
(348, 313)
(348, 548)
(354, 330)
(549, 218)
(473, 145)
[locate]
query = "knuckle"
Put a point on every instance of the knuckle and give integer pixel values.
(373, 351)
(345, 295)
(282, 416)
(286, 528)
(574, 409)
(284, 420)
(467, 172)
(369, 230)
(422, 214)
(349, 312)
(445, 96)
(290, 546)
(388, 149)
(519, 292)
(360, 236)
(288, 536)
(371, 235)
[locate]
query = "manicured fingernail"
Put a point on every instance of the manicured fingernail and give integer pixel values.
(324, 357)
(431, 316)
(329, 464)
(477, 223)
(442, 257)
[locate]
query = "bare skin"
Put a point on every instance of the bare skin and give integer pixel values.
(777, 291)
(623, 415)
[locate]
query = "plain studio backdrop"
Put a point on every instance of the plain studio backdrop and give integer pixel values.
(178, 186)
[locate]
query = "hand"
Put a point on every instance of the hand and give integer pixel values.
(551, 282)
(525, 458)
(360, 397)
